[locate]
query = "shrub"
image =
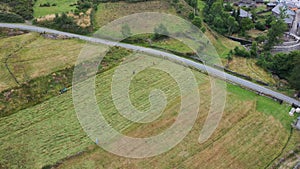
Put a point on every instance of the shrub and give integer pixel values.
(11, 18)
(241, 52)
(260, 26)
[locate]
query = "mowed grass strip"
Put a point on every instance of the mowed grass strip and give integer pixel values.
(50, 131)
(61, 6)
(245, 137)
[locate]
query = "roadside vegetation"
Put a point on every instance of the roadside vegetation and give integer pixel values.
(16, 9)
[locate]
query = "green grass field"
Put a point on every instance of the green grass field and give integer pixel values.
(48, 132)
(61, 6)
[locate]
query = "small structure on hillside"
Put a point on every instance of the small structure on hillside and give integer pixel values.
(296, 124)
(294, 110)
(271, 5)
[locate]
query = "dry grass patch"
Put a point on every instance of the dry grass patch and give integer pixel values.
(249, 67)
(108, 12)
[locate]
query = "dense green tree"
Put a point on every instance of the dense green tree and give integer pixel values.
(294, 79)
(246, 24)
(197, 21)
(254, 49)
(233, 25)
(275, 34)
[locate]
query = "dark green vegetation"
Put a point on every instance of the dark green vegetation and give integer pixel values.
(217, 15)
(11, 18)
(286, 66)
(23, 8)
(65, 23)
(68, 23)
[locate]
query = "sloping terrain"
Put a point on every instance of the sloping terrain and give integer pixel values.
(108, 12)
(48, 132)
(30, 55)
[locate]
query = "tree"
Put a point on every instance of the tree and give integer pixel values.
(229, 57)
(126, 32)
(228, 7)
(233, 25)
(254, 49)
(246, 24)
(275, 34)
(295, 76)
(269, 20)
(197, 21)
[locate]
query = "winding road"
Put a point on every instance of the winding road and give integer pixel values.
(212, 71)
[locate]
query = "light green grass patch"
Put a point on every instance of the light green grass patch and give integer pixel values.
(61, 6)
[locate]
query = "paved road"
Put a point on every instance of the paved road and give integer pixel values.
(212, 71)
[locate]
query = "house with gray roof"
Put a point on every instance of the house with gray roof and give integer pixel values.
(277, 10)
(290, 13)
(245, 14)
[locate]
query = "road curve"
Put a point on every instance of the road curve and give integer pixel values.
(212, 71)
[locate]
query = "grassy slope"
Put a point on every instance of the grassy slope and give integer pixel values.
(249, 67)
(31, 55)
(108, 12)
(51, 131)
(62, 6)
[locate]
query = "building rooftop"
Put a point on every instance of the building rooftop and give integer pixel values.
(245, 14)
(289, 20)
(277, 8)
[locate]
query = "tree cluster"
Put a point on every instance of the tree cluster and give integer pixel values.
(286, 66)
(64, 23)
(24, 8)
(218, 17)
(11, 18)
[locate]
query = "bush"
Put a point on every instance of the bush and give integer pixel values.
(260, 38)
(65, 23)
(23, 8)
(241, 52)
(260, 26)
(11, 18)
